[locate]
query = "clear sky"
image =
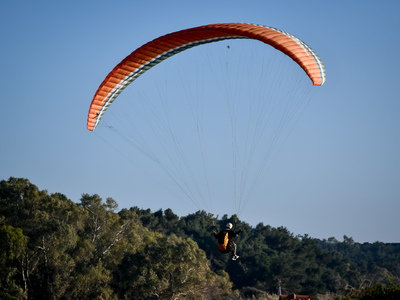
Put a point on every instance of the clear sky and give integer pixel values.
(337, 172)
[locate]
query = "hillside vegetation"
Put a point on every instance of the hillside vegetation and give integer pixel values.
(53, 248)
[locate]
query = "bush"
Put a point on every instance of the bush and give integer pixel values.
(376, 292)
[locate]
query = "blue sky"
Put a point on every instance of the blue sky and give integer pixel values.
(337, 172)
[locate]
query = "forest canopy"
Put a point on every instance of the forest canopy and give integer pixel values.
(54, 248)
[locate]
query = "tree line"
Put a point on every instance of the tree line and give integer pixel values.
(54, 248)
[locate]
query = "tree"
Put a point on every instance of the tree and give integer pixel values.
(12, 247)
(49, 223)
(168, 268)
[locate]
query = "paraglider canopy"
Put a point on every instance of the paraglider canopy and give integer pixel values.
(152, 53)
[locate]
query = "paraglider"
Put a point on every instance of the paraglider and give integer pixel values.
(225, 238)
(243, 156)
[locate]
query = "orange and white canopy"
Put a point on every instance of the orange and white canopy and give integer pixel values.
(154, 52)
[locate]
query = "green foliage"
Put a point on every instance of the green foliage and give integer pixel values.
(12, 247)
(12, 242)
(168, 268)
(377, 291)
(5, 296)
(53, 248)
(270, 255)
